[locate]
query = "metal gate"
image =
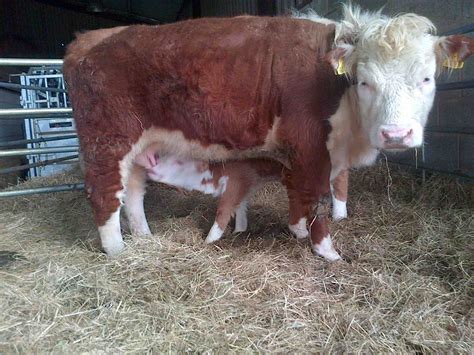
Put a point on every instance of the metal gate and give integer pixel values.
(51, 143)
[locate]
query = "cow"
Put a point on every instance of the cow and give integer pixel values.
(380, 82)
(218, 89)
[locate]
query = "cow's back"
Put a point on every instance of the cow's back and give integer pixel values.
(218, 81)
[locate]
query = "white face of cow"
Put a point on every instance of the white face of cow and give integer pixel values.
(396, 97)
(393, 62)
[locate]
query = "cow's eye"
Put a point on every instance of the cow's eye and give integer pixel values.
(426, 80)
(363, 83)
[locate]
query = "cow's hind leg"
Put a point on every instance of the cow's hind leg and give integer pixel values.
(135, 191)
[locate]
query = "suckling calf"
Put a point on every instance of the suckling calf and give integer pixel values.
(233, 181)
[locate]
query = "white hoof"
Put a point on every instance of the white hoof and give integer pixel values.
(110, 235)
(141, 229)
(299, 229)
(214, 234)
(339, 209)
(113, 249)
(326, 249)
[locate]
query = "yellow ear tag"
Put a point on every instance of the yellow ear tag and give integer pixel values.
(341, 67)
(453, 62)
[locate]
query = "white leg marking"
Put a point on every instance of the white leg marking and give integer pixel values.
(339, 209)
(214, 234)
(110, 235)
(241, 222)
(326, 249)
(134, 203)
(299, 229)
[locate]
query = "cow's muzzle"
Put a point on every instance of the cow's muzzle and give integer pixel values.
(395, 137)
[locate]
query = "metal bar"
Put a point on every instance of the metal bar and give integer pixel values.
(34, 165)
(30, 62)
(466, 84)
(36, 140)
(43, 190)
(460, 30)
(26, 151)
(29, 87)
(35, 113)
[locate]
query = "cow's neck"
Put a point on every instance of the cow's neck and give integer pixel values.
(348, 144)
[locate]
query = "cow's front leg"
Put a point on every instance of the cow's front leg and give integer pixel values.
(339, 190)
(135, 192)
(105, 191)
(305, 187)
(298, 215)
(320, 237)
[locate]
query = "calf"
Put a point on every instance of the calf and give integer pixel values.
(220, 89)
(234, 181)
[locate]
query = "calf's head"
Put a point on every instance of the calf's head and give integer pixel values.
(393, 63)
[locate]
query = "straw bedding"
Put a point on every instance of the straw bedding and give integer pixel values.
(406, 285)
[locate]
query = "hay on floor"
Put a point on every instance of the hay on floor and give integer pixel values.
(406, 285)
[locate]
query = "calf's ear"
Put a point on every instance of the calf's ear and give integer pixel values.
(451, 51)
(342, 59)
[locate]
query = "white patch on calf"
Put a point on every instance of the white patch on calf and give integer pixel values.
(299, 229)
(214, 234)
(326, 249)
(221, 187)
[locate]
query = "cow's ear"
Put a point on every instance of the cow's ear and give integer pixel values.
(451, 51)
(341, 59)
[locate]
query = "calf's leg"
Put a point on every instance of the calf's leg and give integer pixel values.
(233, 199)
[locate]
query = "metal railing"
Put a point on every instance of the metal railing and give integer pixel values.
(13, 148)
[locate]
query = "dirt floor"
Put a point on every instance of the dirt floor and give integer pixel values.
(406, 285)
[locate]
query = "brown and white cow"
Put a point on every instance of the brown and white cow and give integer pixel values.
(215, 89)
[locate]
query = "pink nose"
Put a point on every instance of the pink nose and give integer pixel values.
(392, 135)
